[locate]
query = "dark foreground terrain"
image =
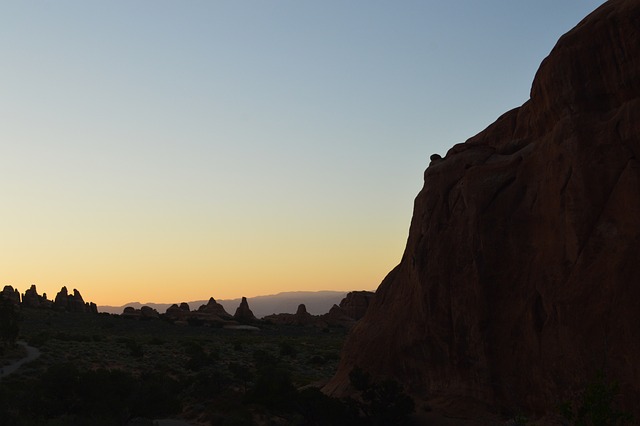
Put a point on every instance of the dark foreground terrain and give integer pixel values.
(108, 370)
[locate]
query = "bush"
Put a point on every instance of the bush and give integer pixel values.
(287, 349)
(198, 358)
(135, 349)
(241, 373)
(319, 409)
(383, 403)
(596, 405)
(272, 388)
(156, 397)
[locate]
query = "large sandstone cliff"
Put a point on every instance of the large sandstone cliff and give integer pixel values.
(521, 275)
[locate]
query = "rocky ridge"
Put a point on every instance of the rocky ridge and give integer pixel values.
(62, 302)
(351, 308)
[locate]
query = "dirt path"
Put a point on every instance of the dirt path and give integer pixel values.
(32, 353)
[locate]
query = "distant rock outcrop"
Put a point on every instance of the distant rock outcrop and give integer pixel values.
(144, 313)
(338, 317)
(317, 302)
(9, 293)
(301, 317)
(351, 309)
(214, 308)
(356, 303)
(72, 302)
(32, 299)
(243, 313)
(63, 301)
(212, 313)
(176, 312)
(520, 277)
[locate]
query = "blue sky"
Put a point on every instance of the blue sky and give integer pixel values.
(234, 148)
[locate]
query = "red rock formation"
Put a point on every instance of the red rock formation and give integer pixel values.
(212, 313)
(176, 312)
(351, 309)
(355, 303)
(338, 317)
(301, 317)
(73, 303)
(214, 308)
(520, 278)
(76, 302)
(144, 313)
(31, 298)
(9, 293)
(243, 313)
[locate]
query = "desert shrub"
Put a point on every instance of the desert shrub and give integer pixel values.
(105, 394)
(596, 405)
(262, 358)
(237, 346)
(198, 357)
(331, 356)
(272, 388)
(9, 322)
(195, 322)
(384, 402)
(157, 396)
(287, 349)
(97, 337)
(108, 326)
(207, 384)
(64, 395)
(228, 410)
(58, 389)
(156, 341)
(71, 337)
(317, 360)
(134, 347)
(316, 408)
(241, 373)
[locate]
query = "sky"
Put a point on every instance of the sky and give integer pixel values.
(168, 151)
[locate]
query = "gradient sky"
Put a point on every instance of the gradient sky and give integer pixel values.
(170, 151)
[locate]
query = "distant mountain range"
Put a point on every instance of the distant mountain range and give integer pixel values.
(316, 302)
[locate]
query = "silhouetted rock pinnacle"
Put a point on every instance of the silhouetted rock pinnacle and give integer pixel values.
(243, 313)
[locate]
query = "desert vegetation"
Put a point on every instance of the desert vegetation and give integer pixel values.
(108, 370)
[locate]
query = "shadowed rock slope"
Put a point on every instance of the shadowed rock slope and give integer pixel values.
(521, 274)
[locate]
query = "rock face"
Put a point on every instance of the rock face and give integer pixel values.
(243, 313)
(355, 304)
(520, 277)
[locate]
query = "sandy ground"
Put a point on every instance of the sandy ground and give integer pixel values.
(32, 353)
